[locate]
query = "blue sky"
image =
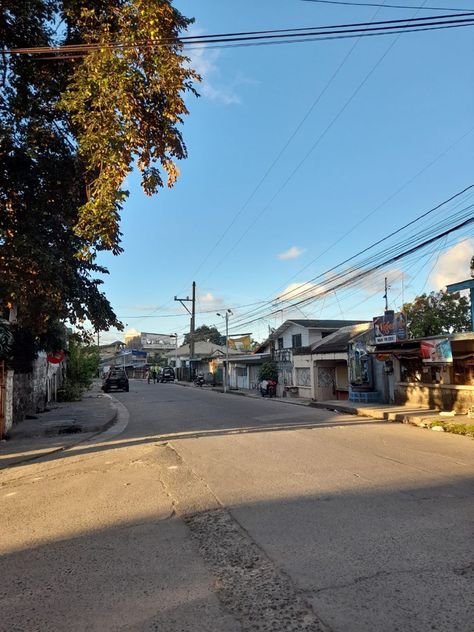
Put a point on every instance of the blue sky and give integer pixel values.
(417, 103)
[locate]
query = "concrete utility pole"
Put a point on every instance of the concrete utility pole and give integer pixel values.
(193, 319)
(226, 372)
(385, 296)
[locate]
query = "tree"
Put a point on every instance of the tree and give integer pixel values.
(209, 334)
(268, 371)
(437, 314)
(70, 131)
(82, 366)
(134, 343)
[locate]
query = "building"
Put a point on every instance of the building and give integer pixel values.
(208, 358)
(435, 372)
(294, 339)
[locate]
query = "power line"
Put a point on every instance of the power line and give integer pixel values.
(357, 29)
(361, 275)
(280, 153)
(384, 6)
(457, 216)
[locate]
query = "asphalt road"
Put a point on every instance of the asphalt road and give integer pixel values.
(214, 512)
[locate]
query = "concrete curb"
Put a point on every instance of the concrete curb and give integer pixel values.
(48, 452)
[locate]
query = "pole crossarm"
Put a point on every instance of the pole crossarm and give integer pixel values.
(183, 301)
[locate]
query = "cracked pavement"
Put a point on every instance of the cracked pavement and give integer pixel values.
(213, 512)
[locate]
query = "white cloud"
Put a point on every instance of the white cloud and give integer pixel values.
(208, 301)
(208, 298)
(292, 253)
(453, 265)
(300, 291)
(204, 61)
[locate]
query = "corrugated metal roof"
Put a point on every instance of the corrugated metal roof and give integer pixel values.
(339, 340)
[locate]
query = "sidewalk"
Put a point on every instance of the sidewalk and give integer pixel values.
(62, 426)
(422, 417)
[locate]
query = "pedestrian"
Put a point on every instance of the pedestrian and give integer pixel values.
(147, 375)
(153, 376)
(271, 388)
(263, 387)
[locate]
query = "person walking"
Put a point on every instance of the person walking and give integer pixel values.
(264, 388)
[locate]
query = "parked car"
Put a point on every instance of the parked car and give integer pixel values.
(166, 374)
(115, 379)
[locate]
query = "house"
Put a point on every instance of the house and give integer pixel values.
(208, 358)
(435, 372)
(294, 339)
(244, 369)
(329, 363)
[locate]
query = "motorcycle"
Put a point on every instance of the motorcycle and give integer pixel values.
(199, 381)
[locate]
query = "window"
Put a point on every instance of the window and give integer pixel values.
(280, 343)
(296, 341)
(303, 377)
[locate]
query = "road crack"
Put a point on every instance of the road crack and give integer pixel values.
(258, 594)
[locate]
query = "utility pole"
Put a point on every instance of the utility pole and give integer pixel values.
(193, 323)
(192, 313)
(226, 372)
(385, 296)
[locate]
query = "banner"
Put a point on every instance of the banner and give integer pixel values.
(436, 351)
(241, 343)
(391, 327)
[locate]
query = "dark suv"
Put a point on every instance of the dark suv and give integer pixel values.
(115, 378)
(166, 374)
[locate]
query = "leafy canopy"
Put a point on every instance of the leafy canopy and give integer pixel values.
(437, 313)
(70, 131)
(206, 333)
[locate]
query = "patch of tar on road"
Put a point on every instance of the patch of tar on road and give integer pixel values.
(249, 585)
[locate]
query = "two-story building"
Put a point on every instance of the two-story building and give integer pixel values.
(290, 344)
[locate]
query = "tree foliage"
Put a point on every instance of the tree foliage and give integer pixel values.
(437, 313)
(70, 131)
(268, 371)
(206, 333)
(82, 366)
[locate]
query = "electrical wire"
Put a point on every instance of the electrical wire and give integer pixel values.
(421, 234)
(282, 150)
(358, 28)
(384, 6)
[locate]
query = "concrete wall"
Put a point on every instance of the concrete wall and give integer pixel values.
(438, 396)
(31, 392)
(303, 362)
(289, 332)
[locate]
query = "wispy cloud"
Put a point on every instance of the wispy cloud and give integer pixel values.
(205, 62)
(453, 265)
(208, 301)
(299, 291)
(292, 253)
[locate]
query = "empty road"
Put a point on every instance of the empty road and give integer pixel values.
(219, 513)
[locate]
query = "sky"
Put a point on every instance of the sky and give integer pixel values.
(389, 137)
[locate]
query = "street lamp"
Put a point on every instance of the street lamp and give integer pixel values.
(226, 371)
(175, 336)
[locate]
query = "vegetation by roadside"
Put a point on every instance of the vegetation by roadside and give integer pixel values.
(82, 367)
(454, 428)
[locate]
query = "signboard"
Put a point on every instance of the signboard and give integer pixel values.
(241, 343)
(436, 351)
(389, 328)
(157, 342)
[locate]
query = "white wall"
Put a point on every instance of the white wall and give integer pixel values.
(289, 332)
